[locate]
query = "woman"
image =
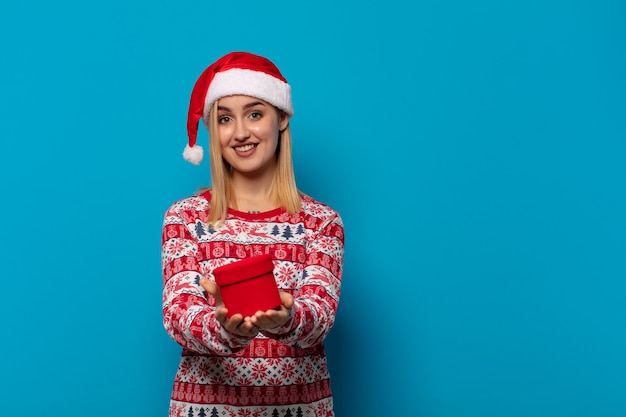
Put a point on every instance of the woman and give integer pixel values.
(271, 363)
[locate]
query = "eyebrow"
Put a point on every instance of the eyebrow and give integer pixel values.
(246, 106)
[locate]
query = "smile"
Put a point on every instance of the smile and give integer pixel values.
(245, 148)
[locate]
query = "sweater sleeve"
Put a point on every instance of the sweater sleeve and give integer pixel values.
(317, 297)
(188, 312)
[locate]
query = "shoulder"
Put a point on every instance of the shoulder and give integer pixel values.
(315, 208)
(197, 202)
(321, 219)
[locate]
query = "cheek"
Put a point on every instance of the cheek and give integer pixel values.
(265, 131)
(224, 135)
(259, 130)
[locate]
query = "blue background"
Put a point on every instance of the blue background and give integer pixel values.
(476, 151)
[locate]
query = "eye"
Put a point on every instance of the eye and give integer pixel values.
(255, 115)
(223, 119)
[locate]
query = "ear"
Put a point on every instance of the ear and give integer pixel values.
(283, 120)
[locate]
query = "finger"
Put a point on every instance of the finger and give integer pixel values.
(271, 318)
(221, 315)
(247, 328)
(257, 317)
(287, 299)
(232, 324)
(254, 331)
(250, 329)
(212, 288)
(209, 286)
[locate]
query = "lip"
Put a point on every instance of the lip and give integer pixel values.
(245, 149)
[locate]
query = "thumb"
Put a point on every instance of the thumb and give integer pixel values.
(287, 299)
(209, 286)
(212, 288)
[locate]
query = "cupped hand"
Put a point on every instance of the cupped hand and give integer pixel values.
(275, 317)
(237, 324)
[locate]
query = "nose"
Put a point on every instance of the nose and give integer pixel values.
(241, 130)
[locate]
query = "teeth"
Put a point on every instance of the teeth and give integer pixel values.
(244, 148)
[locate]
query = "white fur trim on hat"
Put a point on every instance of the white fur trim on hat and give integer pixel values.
(246, 82)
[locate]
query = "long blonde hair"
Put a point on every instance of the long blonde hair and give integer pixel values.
(284, 192)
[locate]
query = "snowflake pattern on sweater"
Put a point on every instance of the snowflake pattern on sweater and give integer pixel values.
(279, 373)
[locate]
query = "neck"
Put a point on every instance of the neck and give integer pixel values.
(251, 195)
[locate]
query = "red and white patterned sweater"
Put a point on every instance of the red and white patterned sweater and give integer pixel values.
(278, 373)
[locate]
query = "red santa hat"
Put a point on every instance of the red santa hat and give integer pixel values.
(233, 74)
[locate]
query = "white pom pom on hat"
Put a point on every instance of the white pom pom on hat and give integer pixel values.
(193, 154)
(233, 74)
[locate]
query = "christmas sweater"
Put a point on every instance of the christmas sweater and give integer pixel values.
(281, 372)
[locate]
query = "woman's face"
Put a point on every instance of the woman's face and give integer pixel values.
(248, 133)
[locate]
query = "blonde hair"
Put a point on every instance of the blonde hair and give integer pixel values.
(284, 192)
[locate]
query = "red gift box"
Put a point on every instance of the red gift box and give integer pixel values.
(248, 286)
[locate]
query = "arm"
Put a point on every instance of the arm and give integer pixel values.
(188, 315)
(315, 301)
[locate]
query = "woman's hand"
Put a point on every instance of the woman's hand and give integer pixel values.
(237, 324)
(274, 318)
